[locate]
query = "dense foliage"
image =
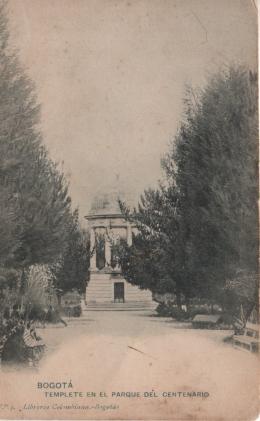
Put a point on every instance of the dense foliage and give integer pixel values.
(200, 229)
(37, 225)
(71, 269)
(34, 194)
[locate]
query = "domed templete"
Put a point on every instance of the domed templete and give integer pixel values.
(107, 289)
(106, 204)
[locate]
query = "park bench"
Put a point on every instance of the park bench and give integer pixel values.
(17, 346)
(249, 340)
(206, 321)
(4, 339)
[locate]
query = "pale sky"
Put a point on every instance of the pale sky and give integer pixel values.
(111, 74)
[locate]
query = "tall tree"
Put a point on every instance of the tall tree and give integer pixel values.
(200, 230)
(153, 261)
(213, 162)
(71, 269)
(34, 194)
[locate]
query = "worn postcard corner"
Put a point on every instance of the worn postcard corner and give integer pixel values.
(129, 210)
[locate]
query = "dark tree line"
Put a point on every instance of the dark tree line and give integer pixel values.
(37, 223)
(71, 268)
(35, 205)
(198, 231)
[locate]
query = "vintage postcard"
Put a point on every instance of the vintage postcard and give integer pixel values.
(129, 210)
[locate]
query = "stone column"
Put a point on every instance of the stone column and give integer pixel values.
(93, 265)
(107, 252)
(129, 234)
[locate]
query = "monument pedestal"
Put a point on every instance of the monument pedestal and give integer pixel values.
(111, 287)
(107, 287)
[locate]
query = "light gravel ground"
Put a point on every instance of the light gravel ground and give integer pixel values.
(135, 352)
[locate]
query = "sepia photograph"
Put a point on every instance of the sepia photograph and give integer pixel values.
(129, 187)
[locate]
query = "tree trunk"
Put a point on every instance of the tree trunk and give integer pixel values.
(59, 299)
(248, 311)
(23, 288)
(178, 299)
(187, 302)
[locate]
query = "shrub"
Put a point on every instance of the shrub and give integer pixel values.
(72, 311)
(168, 310)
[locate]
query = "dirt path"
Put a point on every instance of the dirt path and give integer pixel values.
(172, 372)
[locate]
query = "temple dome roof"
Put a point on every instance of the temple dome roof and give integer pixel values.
(105, 204)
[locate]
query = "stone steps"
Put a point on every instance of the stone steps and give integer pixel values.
(126, 306)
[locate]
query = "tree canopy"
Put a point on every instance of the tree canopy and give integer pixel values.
(34, 193)
(71, 269)
(201, 226)
(215, 153)
(37, 223)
